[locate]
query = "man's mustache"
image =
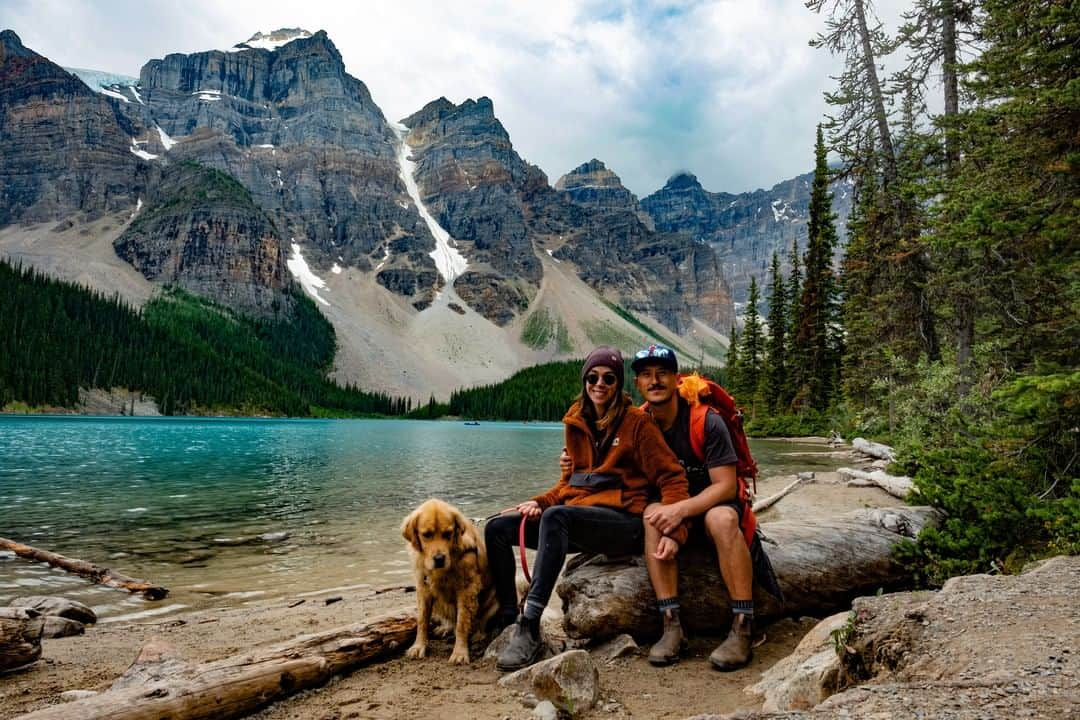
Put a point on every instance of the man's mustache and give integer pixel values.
(654, 387)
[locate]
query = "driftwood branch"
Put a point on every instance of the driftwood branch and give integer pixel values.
(94, 573)
(896, 485)
(20, 637)
(821, 566)
(873, 449)
(766, 503)
(161, 685)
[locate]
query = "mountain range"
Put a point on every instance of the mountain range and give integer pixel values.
(441, 256)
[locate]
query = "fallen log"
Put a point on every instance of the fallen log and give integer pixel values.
(94, 573)
(898, 486)
(161, 685)
(873, 449)
(766, 503)
(20, 637)
(821, 565)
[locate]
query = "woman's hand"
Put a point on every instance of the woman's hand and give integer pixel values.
(529, 508)
(666, 549)
(566, 464)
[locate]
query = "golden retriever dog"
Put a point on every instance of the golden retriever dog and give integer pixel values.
(453, 585)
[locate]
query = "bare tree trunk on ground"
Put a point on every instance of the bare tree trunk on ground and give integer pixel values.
(161, 685)
(20, 637)
(94, 573)
(821, 565)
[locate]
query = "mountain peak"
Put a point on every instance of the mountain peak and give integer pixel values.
(682, 180)
(12, 45)
(591, 174)
(272, 40)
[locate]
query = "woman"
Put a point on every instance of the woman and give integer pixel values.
(618, 458)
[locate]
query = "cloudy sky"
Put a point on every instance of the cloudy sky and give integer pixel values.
(727, 89)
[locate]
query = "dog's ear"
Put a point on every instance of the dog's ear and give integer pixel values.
(408, 529)
(465, 532)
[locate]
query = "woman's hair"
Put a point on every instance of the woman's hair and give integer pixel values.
(615, 409)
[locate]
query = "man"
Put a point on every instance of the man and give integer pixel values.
(714, 509)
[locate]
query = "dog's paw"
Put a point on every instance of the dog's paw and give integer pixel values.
(442, 629)
(416, 651)
(460, 656)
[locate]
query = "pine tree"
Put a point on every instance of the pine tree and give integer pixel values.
(794, 287)
(812, 343)
(731, 362)
(751, 347)
(777, 390)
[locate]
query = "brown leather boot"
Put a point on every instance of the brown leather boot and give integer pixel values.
(737, 649)
(671, 643)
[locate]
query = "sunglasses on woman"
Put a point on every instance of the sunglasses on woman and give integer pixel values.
(594, 378)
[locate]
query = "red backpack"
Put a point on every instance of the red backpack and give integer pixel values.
(703, 394)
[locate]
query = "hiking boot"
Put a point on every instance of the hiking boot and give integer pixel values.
(671, 643)
(522, 650)
(737, 649)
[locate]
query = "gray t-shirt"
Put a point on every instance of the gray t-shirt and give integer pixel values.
(718, 447)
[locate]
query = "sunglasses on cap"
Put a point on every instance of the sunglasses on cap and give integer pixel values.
(656, 351)
(593, 378)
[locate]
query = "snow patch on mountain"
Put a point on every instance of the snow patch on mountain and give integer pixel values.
(98, 80)
(311, 282)
(166, 141)
(270, 40)
(450, 263)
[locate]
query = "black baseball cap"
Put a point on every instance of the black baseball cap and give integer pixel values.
(656, 354)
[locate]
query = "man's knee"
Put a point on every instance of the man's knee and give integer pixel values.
(722, 523)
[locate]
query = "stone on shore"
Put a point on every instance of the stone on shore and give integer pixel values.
(571, 681)
(61, 627)
(58, 606)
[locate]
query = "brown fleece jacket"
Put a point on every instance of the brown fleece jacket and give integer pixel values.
(638, 458)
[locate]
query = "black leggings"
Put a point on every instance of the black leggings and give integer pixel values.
(560, 529)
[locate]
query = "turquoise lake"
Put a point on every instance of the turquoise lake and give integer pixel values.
(183, 501)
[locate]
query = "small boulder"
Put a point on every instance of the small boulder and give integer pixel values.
(571, 681)
(808, 675)
(545, 710)
(58, 606)
(805, 476)
(613, 649)
(60, 627)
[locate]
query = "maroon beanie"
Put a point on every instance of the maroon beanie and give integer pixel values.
(605, 355)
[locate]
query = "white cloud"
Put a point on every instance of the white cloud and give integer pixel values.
(728, 89)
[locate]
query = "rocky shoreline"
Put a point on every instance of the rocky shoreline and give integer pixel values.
(982, 647)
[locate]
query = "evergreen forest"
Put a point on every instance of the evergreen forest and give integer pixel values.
(190, 355)
(950, 327)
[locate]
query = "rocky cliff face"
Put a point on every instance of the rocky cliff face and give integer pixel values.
(318, 165)
(471, 178)
(600, 229)
(202, 230)
(593, 185)
(744, 229)
(309, 143)
(63, 148)
(503, 213)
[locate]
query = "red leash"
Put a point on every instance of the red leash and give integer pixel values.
(521, 547)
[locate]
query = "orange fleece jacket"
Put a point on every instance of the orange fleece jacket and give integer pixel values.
(638, 455)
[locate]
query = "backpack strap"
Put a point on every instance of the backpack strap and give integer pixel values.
(748, 522)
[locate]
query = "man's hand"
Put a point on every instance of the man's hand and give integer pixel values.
(666, 549)
(529, 508)
(665, 518)
(565, 463)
